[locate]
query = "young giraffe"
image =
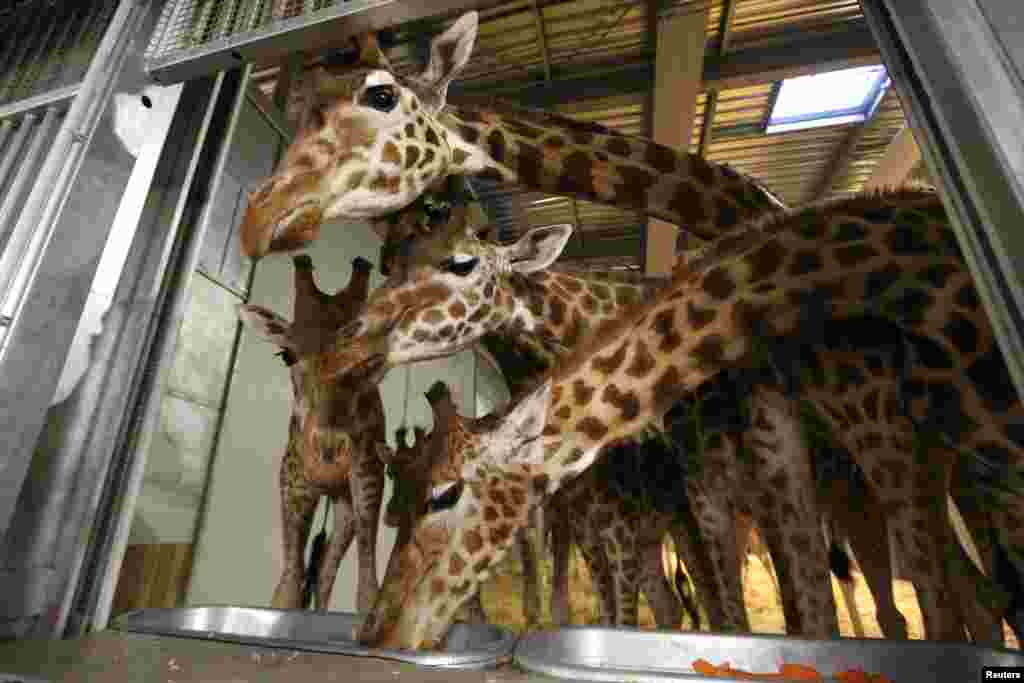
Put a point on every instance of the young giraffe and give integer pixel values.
(601, 520)
(371, 143)
(892, 254)
(333, 442)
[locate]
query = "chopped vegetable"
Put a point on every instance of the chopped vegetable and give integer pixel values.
(788, 673)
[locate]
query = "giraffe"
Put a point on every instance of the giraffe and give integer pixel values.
(332, 447)
(371, 143)
(435, 294)
(602, 518)
(892, 254)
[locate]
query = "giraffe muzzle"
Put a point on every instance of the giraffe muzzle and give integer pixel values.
(276, 220)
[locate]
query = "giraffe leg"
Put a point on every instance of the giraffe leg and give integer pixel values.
(530, 555)
(785, 507)
(472, 611)
(621, 546)
(690, 549)
(913, 498)
(341, 538)
(857, 517)
(298, 503)
(983, 622)
(654, 582)
(367, 487)
(561, 544)
(595, 555)
(720, 590)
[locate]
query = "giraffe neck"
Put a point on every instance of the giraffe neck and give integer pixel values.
(556, 154)
(892, 255)
(562, 309)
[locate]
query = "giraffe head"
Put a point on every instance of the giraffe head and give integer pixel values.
(368, 144)
(445, 292)
(483, 482)
(325, 410)
(411, 467)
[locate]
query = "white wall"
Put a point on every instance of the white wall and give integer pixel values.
(238, 554)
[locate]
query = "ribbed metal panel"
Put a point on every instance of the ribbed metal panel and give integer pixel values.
(24, 141)
(46, 45)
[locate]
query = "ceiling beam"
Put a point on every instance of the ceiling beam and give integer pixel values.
(711, 104)
(853, 46)
(897, 162)
(678, 69)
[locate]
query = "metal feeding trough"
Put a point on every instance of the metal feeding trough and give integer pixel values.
(469, 646)
(620, 655)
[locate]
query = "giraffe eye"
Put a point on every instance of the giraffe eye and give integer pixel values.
(287, 356)
(460, 264)
(444, 497)
(381, 97)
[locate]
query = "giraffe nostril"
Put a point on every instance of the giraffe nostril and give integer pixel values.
(261, 193)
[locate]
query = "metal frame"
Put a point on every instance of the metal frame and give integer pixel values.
(329, 27)
(964, 102)
(29, 384)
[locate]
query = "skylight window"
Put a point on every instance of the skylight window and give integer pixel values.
(828, 99)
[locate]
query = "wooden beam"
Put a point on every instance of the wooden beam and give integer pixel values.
(839, 162)
(542, 39)
(798, 56)
(677, 82)
(899, 160)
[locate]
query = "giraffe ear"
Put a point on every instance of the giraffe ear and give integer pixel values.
(267, 324)
(517, 437)
(539, 248)
(449, 53)
(370, 53)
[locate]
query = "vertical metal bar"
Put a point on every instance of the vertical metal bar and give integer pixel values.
(12, 152)
(26, 169)
(164, 349)
(6, 126)
(19, 262)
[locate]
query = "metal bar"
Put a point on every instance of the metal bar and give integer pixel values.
(964, 103)
(14, 149)
(710, 108)
(5, 129)
(167, 336)
(8, 51)
(854, 46)
(329, 27)
(32, 230)
(272, 114)
(8, 85)
(41, 101)
(131, 325)
(31, 71)
(538, 18)
(26, 169)
(60, 46)
(725, 25)
(20, 259)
